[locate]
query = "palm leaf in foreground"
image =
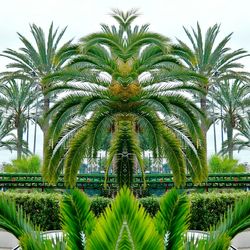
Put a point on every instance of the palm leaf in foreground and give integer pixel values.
(12, 220)
(124, 225)
(77, 219)
(125, 216)
(173, 218)
(234, 221)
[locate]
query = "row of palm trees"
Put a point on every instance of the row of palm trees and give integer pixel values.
(130, 89)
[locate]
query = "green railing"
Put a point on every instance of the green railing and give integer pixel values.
(95, 181)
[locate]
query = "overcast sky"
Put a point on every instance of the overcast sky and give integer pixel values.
(165, 16)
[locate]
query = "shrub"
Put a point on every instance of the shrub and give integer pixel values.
(206, 208)
(98, 205)
(223, 164)
(30, 164)
(151, 205)
(42, 208)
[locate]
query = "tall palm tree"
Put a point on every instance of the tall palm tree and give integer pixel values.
(212, 59)
(16, 98)
(7, 138)
(124, 225)
(233, 98)
(33, 62)
(124, 84)
(241, 141)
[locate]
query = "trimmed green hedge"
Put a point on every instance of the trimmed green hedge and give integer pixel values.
(42, 208)
(206, 208)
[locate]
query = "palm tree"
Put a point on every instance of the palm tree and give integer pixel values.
(16, 98)
(124, 84)
(212, 59)
(7, 139)
(34, 62)
(124, 225)
(233, 98)
(241, 141)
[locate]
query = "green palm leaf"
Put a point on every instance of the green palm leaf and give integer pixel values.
(125, 214)
(173, 218)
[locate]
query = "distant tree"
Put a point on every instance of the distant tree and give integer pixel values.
(223, 164)
(33, 62)
(241, 141)
(232, 103)
(16, 99)
(212, 59)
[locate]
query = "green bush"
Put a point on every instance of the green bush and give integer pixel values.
(99, 204)
(42, 208)
(223, 164)
(206, 208)
(29, 164)
(151, 205)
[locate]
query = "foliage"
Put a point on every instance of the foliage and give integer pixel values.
(205, 54)
(8, 139)
(150, 204)
(125, 219)
(206, 209)
(34, 60)
(16, 105)
(240, 141)
(99, 204)
(223, 164)
(29, 164)
(231, 101)
(125, 225)
(42, 209)
(113, 79)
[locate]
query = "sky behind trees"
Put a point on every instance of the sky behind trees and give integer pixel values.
(165, 16)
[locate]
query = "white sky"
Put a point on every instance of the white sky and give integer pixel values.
(165, 16)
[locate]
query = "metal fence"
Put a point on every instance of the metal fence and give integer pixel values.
(95, 182)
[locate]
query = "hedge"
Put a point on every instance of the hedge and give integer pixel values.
(206, 208)
(42, 208)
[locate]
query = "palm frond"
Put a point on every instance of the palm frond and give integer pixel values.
(125, 214)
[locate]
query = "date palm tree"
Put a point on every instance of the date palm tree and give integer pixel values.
(233, 98)
(212, 59)
(16, 98)
(241, 141)
(7, 137)
(124, 84)
(124, 225)
(33, 62)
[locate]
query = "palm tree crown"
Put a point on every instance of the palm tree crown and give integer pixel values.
(124, 82)
(33, 62)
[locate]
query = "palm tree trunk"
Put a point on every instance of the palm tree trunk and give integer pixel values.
(45, 127)
(230, 141)
(203, 104)
(214, 128)
(35, 131)
(28, 128)
(222, 136)
(19, 127)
